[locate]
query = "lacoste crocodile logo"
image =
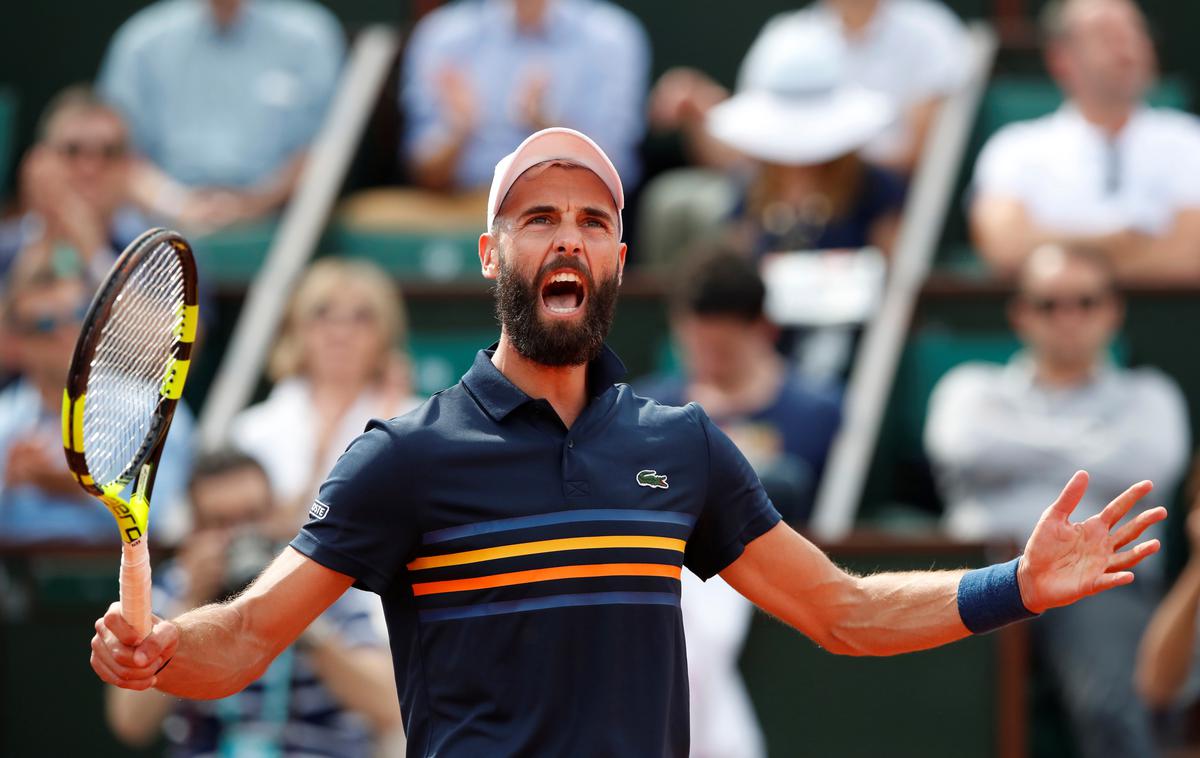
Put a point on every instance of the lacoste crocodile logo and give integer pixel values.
(651, 478)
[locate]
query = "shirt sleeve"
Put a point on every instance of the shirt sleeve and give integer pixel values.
(358, 524)
(321, 65)
(120, 82)
(614, 111)
(1000, 169)
(424, 56)
(736, 508)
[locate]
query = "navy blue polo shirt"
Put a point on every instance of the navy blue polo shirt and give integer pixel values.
(530, 572)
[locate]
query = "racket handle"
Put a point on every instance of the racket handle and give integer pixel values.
(135, 586)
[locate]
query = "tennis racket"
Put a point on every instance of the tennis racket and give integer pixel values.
(126, 376)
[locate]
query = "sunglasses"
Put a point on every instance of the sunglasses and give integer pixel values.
(109, 151)
(1049, 306)
(49, 323)
(325, 314)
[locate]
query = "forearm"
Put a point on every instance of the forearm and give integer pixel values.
(892, 613)
(883, 614)
(434, 169)
(218, 654)
(1169, 642)
(361, 679)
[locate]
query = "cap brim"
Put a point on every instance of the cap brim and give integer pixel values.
(800, 132)
(553, 144)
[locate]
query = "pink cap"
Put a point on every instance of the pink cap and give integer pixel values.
(554, 144)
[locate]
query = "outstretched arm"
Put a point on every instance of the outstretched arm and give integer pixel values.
(218, 649)
(884, 614)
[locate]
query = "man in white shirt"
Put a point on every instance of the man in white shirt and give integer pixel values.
(999, 437)
(913, 51)
(1106, 170)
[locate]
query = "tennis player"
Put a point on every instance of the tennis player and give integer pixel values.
(526, 527)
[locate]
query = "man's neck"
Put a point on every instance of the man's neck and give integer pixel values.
(564, 387)
(51, 393)
(856, 15)
(749, 392)
(1064, 376)
(531, 15)
(1110, 118)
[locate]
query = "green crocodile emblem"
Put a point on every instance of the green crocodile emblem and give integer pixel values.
(651, 478)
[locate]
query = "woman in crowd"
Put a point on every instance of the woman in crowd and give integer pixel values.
(340, 360)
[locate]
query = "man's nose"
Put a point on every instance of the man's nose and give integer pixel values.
(569, 240)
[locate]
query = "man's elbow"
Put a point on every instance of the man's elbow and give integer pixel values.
(1154, 692)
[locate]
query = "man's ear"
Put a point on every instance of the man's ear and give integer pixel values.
(489, 256)
(621, 262)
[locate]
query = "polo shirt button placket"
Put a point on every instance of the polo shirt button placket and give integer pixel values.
(571, 444)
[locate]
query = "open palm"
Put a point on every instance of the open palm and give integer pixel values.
(1065, 561)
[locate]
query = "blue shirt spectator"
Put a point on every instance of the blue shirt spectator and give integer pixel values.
(481, 75)
(224, 99)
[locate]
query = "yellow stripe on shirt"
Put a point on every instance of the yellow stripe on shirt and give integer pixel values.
(546, 546)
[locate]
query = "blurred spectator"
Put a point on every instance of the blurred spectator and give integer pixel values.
(782, 425)
(912, 51)
(781, 422)
(1002, 440)
(802, 124)
(340, 360)
(223, 98)
(44, 303)
(1166, 665)
(481, 75)
(74, 184)
(1106, 170)
(330, 694)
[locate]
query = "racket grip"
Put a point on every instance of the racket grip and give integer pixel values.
(135, 586)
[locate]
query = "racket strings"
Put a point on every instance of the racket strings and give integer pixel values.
(131, 361)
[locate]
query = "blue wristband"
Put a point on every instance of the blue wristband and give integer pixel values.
(989, 598)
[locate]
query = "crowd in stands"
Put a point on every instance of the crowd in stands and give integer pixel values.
(203, 113)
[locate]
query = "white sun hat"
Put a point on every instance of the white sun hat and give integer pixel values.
(795, 104)
(554, 144)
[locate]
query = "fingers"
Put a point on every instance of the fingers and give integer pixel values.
(1116, 510)
(132, 666)
(1069, 497)
(1108, 581)
(110, 660)
(1137, 525)
(1131, 557)
(120, 628)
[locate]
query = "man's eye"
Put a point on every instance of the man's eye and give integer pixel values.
(596, 223)
(539, 220)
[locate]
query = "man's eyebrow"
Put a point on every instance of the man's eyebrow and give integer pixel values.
(535, 210)
(598, 213)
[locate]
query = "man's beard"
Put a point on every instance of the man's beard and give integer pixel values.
(557, 343)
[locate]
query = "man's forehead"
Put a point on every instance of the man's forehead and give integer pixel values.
(543, 184)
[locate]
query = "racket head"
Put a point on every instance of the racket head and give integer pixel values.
(129, 365)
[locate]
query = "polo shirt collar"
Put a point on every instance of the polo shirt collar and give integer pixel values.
(500, 397)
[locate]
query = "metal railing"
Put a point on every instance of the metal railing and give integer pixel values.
(930, 197)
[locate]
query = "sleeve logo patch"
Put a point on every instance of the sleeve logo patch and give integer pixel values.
(318, 510)
(651, 478)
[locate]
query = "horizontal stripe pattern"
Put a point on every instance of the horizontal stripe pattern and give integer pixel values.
(546, 546)
(590, 557)
(545, 603)
(554, 519)
(546, 575)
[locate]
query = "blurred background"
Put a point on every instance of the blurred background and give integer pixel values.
(920, 259)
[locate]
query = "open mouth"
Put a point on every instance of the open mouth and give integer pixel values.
(563, 293)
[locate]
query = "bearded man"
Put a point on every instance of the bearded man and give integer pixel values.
(526, 528)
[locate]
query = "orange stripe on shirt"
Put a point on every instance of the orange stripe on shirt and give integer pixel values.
(546, 575)
(546, 546)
